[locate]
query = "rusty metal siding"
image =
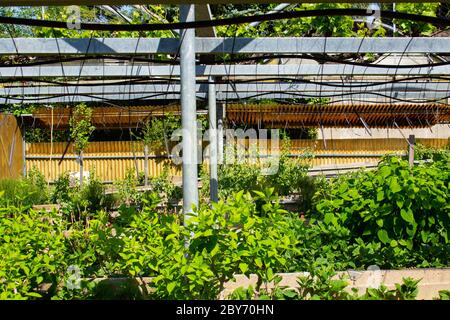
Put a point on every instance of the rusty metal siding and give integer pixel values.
(11, 148)
(376, 115)
(108, 166)
(328, 152)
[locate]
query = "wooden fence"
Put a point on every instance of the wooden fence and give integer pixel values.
(11, 147)
(112, 159)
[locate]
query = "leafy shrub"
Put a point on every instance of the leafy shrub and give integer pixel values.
(30, 247)
(321, 283)
(291, 177)
(78, 201)
(36, 178)
(236, 177)
(61, 189)
(126, 188)
(422, 152)
(156, 132)
(444, 295)
(24, 192)
(229, 238)
(394, 216)
(163, 186)
(38, 248)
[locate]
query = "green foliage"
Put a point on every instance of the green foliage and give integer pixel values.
(159, 13)
(351, 228)
(28, 191)
(79, 202)
(157, 132)
(62, 190)
(422, 152)
(33, 135)
(289, 177)
(321, 283)
(395, 216)
(339, 26)
(94, 194)
(164, 187)
(36, 178)
(31, 252)
(444, 295)
(232, 237)
(413, 28)
(406, 291)
(236, 177)
(39, 247)
(81, 127)
(20, 109)
(126, 188)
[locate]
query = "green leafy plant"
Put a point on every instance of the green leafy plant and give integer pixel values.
(422, 152)
(395, 215)
(126, 188)
(80, 129)
(61, 192)
(444, 295)
(25, 192)
(405, 291)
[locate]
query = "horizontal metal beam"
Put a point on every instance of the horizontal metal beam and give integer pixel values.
(399, 96)
(286, 70)
(330, 87)
(116, 2)
(145, 46)
(296, 155)
(111, 157)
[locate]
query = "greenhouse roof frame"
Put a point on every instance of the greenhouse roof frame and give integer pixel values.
(123, 2)
(213, 45)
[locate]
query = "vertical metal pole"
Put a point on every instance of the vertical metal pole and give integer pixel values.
(412, 142)
(188, 111)
(394, 26)
(81, 168)
(145, 165)
(220, 116)
(24, 150)
(213, 182)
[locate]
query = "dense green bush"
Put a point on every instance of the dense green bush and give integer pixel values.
(395, 216)
(28, 191)
(289, 178)
(232, 237)
(32, 252)
(422, 152)
(78, 201)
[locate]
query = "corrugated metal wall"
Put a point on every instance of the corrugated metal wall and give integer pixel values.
(113, 167)
(116, 158)
(11, 147)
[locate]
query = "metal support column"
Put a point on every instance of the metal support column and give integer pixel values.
(412, 142)
(24, 150)
(213, 182)
(188, 111)
(220, 143)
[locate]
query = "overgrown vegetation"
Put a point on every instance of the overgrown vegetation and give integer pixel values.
(289, 177)
(25, 192)
(393, 217)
